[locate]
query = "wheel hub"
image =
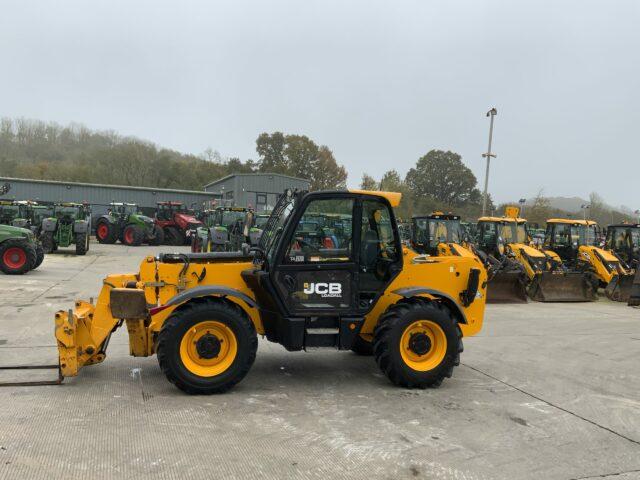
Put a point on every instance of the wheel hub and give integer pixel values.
(419, 343)
(208, 346)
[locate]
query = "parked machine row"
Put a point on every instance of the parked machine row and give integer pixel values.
(571, 263)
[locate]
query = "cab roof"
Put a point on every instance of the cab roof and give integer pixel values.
(502, 219)
(393, 197)
(572, 221)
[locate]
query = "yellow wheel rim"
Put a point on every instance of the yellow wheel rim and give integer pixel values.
(208, 348)
(423, 345)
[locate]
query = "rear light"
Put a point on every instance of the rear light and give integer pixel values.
(155, 310)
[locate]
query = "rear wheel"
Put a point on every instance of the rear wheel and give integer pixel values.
(39, 256)
(207, 346)
(132, 235)
(48, 245)
(417, 343)
(158, 236)
(173, 236)
(16, 257)
(106, 232)
(82, 240)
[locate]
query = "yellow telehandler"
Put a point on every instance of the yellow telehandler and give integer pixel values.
(574, 243)
(201, 313)
(518, 270)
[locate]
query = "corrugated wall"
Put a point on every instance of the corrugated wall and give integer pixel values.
(98, 194)
(249, 189)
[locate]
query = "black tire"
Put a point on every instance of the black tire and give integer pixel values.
(388, 334)
(81, 243)
(111, 235)
(39, 256)
(27, 257)
(132, 235)
(158, 236)
(173, 236)
(362, 347)
(48, 245)
(187, 317)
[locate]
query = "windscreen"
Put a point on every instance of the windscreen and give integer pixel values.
(587, 235)
(275, 226)
(230, 217)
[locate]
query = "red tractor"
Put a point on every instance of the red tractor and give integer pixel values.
(175, 220)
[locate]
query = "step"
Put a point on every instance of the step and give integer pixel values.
(322, 331)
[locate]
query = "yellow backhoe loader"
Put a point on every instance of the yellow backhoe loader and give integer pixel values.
(520, 270)
(201, 313)
(438, 234)
(575, 244)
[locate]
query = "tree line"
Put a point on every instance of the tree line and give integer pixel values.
(439, 181)
(48, 151)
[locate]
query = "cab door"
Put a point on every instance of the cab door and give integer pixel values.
(316, 269)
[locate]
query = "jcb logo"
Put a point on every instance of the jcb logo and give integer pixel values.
(323, 289)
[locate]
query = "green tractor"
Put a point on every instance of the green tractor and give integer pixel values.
(223, 230)
(255, 232)
(19, 250)
(69, 224)
(20, 214)
(126, 223)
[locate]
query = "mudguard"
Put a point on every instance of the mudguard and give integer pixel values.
(205, 290)
(219, 237)
(49, 224)
(408, 292)
(80, 226)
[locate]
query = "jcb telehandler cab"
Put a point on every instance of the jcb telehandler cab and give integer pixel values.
(201, 313)
(575, 244)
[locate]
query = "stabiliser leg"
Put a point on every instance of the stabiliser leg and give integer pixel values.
(58, 381)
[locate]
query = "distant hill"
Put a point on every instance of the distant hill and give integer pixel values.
(566, 204)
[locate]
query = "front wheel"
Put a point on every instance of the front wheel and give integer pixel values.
(106, 232)
(82, 242)
(417, 343)
(207, 346)
(132, 235)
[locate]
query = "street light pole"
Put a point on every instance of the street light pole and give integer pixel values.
(491, 113)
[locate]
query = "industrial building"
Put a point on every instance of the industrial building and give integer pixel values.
(258, 190)
(99, 196)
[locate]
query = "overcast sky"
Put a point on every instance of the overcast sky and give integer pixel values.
(380, 83)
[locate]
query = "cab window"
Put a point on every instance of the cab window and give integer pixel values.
(377, 237)
(562, 235)
(317, 238)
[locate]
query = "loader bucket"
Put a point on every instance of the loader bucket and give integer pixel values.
(507, 287)
(563, 287)
(634, 296)
(619, 288)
